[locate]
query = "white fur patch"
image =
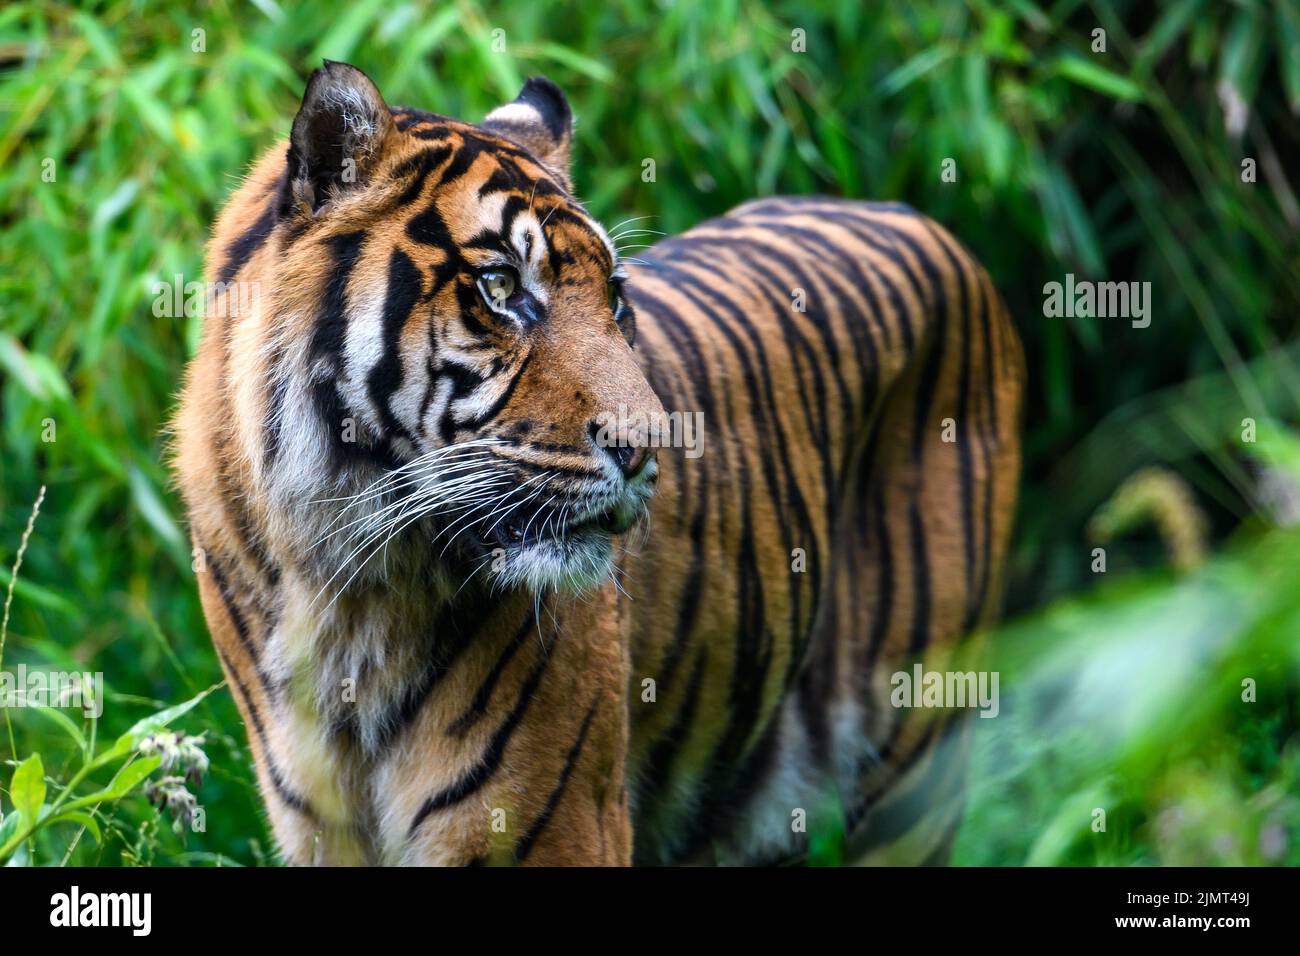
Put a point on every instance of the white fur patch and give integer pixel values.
(515, 113)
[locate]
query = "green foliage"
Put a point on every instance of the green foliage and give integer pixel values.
(1117, 165)
(1166, 703)
(127, 764)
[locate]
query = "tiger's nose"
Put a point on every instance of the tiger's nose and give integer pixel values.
(627, 447)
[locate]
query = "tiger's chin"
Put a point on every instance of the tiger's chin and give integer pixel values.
(580, 558)
(574, 565)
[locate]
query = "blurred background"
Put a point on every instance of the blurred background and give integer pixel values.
(1161, 149)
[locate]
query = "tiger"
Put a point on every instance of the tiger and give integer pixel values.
(518, 550)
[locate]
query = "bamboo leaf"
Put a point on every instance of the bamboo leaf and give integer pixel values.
(82, 818)
(130, 776)
(1288, 52)
(64, 722)
(915, 68)
(1098, 79)
(27, 791)
(156, 722)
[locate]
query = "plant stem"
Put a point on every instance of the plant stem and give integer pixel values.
(9, 600)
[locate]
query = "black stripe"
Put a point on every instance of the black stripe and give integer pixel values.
(495, 408)
(965, 452)
(454, 630)
(821, 247)
(385, 378)
(884, 240)
(241, 249)
(420, 165)
(974, 309)
(366, 450)
(773, 454)
(228, 599)
(883, 552)
(940, 782)
(332, 321)
(719, 811)
(287, 796)
(525, 845)
(242, 631)
(816, 687)
(232, 502)
(797, 343)
(987, 444)
(655, 778)
(920, 625)
(688, 602)
(473, 779)
(483, 695)
(277, 391)
(762, 402)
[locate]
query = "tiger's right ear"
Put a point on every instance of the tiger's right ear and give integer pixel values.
(337, 135)
(539, 120)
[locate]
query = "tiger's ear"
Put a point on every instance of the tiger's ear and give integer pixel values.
(539, 120)
(337, 135)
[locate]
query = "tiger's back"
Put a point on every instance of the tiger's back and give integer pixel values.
(849, 509)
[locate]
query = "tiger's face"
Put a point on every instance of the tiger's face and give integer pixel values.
(463, 345)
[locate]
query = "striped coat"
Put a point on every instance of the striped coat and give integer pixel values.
(476, 607)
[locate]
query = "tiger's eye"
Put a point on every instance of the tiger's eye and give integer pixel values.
(615, 298)
(497, 287)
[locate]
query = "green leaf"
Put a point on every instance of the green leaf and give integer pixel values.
(66, 723)
(100, 42)
(129, 778)
(574, 61)
(1241, 59)
(1099, 79)
(121, 198)
(34, 372)
(10, 826)
(346, 31)
(419, 43)
(20, 857)
(154, 509)
(1030, 13)
(1276, 446)
(915, 68)
(1172, 24)
(1073, 217)
(37, 594)
(79, 817)
(27, 790)
(1288, 53)
(154, 723)
(1072, 821)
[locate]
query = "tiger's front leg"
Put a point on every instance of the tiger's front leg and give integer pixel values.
(519, 757)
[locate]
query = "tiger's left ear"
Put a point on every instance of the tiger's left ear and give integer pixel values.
(337, 135)
(539, 120)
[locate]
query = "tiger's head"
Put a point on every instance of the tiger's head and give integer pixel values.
(447, 355)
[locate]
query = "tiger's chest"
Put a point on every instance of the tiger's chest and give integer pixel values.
(344, 675)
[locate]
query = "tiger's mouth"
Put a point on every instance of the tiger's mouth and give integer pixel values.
(520, 530)
(524, 531)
